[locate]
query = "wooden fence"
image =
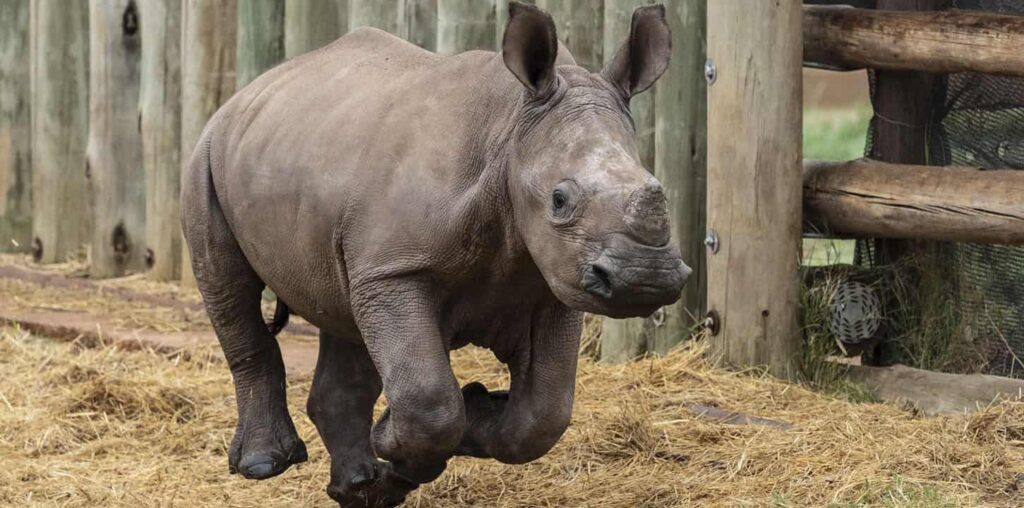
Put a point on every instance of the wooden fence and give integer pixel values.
(759, 190)
(102, 101)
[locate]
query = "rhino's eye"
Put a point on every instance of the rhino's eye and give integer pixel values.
(559, 199)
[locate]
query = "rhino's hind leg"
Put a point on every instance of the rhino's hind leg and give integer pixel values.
(265, 442)
(345, 387)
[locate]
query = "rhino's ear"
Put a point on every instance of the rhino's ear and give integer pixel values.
(530, 46)
(644, 56)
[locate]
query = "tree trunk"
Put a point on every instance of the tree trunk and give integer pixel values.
(464, 26)
(60, 109)
(160, 106)
(260, 38)
(15, 128)
(625, 339)
(114, 153)
(312, 24)
(681, 150)
(208, 50)
(579, 27)
(754, 189)
(420, 24)
(383, 14)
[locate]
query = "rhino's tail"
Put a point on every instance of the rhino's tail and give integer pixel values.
(280, 319)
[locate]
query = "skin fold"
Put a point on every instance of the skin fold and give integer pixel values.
(408, 204)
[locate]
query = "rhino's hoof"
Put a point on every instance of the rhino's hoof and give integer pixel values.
(370, 486)
(260, 466)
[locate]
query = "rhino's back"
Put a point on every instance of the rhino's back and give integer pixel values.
(338, 134)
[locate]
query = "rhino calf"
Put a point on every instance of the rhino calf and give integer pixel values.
(408, 204)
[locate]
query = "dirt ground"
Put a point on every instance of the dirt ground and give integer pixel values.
(92, 425)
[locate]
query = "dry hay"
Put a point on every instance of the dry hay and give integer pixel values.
(106, 427)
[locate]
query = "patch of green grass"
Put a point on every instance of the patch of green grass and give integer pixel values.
(895, 492)
(835, 134)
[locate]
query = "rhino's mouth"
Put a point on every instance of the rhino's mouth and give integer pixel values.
(631, 279)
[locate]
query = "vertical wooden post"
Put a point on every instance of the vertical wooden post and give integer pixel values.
(463, 26)
(681, 161)
(382, 14)
(754, 181)
(311, 24)
(902, 102)
(114, 152)
(579, 27)
(625, 339)
(15, 128)
(260, 38)
(160, 107)
(207, 75)
(420, 24)
(60, 108)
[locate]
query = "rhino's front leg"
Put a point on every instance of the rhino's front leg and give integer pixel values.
(523, 424)
(425, 419)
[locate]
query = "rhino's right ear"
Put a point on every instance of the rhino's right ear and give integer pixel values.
(530, 46)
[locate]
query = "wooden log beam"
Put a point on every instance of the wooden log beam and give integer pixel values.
(937, 42)
(753, 191)
(420, 22)
(15, 129)
(878, 200)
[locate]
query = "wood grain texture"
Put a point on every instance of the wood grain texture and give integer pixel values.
(160, 107)
(935, 42)
(872, 199)
(754, 192)
(311, 24)
(260, 40)
(680, 161)
(60, 122)
(114, 152)
(626, 339)
(420, 22)
(464, 26)
(208, 51)
(578, 23)
(383, 14)
(15, 128)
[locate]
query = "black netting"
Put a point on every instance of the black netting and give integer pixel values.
(978, 120)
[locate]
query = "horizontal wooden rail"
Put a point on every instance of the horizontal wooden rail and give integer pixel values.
(878, 200)
(936, 42)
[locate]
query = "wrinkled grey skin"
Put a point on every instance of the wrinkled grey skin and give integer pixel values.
(408, 204)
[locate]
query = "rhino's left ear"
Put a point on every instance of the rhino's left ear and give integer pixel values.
(644, 56)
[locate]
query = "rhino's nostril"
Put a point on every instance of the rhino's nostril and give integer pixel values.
(597, 281)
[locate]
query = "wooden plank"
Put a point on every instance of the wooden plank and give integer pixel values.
(464, 26)
(420, 23)
(578, 23)
(753, 190)
(871, 199)
(15, 128)
(681, 148)
(208, 53)
(934, 42)
(60, 123)
(383, 14)
(260, 40)
(627, 339)
(160, 109)
(114, 151)
(311, 24)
